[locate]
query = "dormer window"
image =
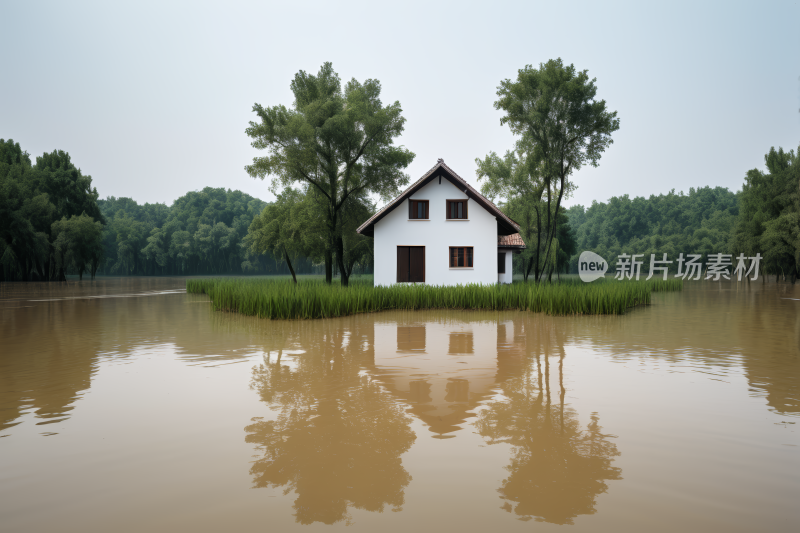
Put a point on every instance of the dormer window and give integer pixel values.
(456, 210)
(418, 209)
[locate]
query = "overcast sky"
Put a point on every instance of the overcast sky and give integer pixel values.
(152, 99)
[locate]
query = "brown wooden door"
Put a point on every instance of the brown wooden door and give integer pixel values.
(410, 264)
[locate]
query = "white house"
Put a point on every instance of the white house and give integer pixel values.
(441, 231)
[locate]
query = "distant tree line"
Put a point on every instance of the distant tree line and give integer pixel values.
(696, 223)
(763, 218)
(213, 231)
(53, 224)
(201, 233)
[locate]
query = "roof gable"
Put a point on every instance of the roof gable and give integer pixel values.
(505, 226)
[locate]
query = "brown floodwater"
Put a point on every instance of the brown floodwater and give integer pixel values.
(129, 405)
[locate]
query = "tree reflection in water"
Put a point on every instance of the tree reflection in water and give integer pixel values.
(557, 467)
(338, 437)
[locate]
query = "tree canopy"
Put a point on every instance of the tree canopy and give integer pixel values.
(764, 218)
(34, 200)
(561, 128)
(770, 214)
(338, 141)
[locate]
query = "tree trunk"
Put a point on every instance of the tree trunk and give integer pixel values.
(289, 263)
(328, 267)
(547, 251)
(552, 234)
(538, 243)
(345, 278)
(527, 270)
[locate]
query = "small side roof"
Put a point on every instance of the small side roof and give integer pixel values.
(510, 241)
(505, 226)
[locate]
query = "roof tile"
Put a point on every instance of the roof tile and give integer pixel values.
(440, 164)
(510, 240)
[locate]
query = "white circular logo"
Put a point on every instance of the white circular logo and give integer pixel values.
(591, 266)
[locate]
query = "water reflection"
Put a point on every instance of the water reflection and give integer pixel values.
(338, 435)
(44, 374)
(440, 366)
(714, 329)
(557, 467)
(54, 340)
(343, 401)
(341, 397)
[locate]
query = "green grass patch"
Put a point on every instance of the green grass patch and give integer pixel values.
(282, 299)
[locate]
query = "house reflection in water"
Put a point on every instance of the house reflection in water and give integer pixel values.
(341, 401)
(442, 368)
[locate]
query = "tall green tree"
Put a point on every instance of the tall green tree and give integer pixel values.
(32, 199)
(523, 190)
(561, 125)
(769, 221)
(340, 141)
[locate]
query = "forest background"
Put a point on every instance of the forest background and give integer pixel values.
(333, 151)
(52, 223)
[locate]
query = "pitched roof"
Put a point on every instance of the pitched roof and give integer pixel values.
(510, 241)
(505, 226)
